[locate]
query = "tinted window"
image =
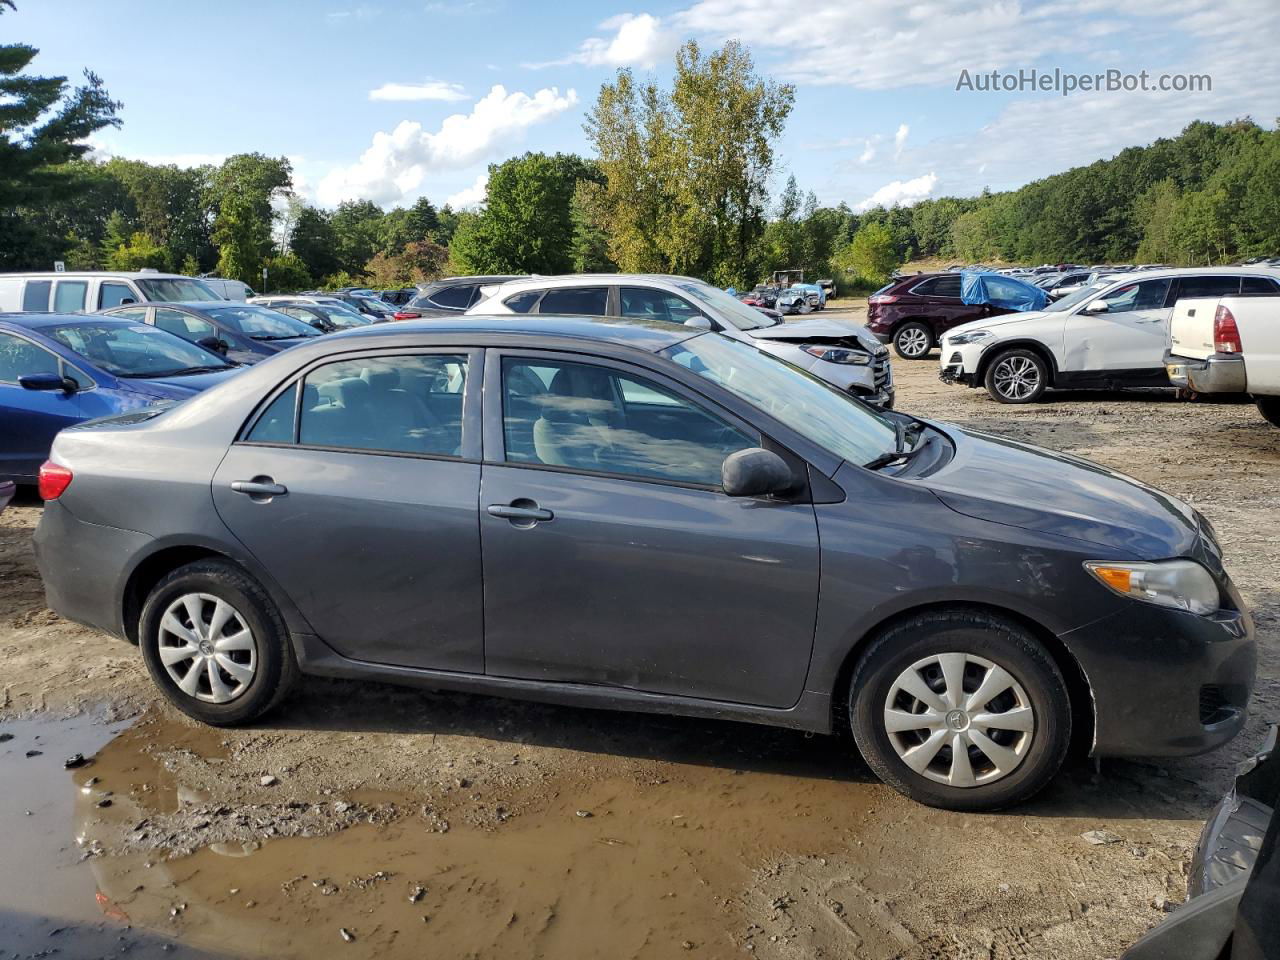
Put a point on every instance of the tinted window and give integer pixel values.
(1208, 287)
(21, 358)
(68, 296)
(655, 305)
(1147, 295)
(522, 302)
(1258, 285)
(277, 421)
(585, 301)
(397, 404)
(585, 417)
(114, 294)
(36, 296)
(948, 286)
(184, 324)
(457, 297)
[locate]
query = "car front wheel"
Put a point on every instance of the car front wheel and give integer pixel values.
(1017, 376)
(964, 710)
(215, 644)
(913, 341)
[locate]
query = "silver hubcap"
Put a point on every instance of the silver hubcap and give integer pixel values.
(959, 719)
(913, 342)
(1017, 378)
(207, 648)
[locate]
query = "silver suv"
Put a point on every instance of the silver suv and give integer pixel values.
(845, 355)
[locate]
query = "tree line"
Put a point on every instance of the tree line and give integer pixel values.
(679, 183)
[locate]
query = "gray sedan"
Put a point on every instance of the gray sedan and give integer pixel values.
(646, 516)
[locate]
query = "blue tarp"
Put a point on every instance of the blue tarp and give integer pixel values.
(1008, 293)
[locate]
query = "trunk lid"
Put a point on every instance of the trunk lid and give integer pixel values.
(1191, 328)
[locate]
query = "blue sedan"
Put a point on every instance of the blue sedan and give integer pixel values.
(60, 369)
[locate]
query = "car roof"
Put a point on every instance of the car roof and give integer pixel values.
(106, 274)
(593, 279)
(36, 321)
(650, 336)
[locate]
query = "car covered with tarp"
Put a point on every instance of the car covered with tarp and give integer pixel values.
(1007, 293)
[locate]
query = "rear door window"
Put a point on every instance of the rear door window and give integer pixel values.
(36, 296)
(576, 301)
(69, 296)
(457, 298)
(522, 302)
(1258, 285)
(1208, 286)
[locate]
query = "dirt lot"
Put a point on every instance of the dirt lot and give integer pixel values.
(371, 821)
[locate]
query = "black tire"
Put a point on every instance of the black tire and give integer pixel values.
(997, 641)
(276, 668)
(1018, 375)
(1269, 407)
(913, 340)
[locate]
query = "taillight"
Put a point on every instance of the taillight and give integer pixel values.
(54, 480)
(883, 298)
(1226, 335)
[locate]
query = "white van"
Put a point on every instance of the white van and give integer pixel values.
(90, 290)
(230, 289)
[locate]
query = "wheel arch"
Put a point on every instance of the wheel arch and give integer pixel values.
(1079, 690)
(1035, 346)
(152, 569)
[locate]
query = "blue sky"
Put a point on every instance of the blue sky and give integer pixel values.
(393, 99)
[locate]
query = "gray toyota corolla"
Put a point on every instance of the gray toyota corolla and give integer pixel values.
(622, 514)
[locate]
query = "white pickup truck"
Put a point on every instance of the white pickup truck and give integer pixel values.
(1228, 345)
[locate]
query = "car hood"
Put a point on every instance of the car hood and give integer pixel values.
(1020, 485)
(179, 387)
(821, 329)
(999, 320)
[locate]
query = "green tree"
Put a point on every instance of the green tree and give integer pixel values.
(314, 242)
(43, 128)
(589, 246)
(687, 170)
(140, 252)
(356, 227)
(526, 225)
(872, 254)
(243, 190)
(1157, 211)
(286, 273)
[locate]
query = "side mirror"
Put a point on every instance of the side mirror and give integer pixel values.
(698, 323)
(319, 325)
(215, 344)
(1097, 306)
(126, 300)
(48, 381)
(755, 472)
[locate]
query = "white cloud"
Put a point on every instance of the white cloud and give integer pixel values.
(638, 40)
(396, 163)
(104, 150)
(362, 12)
(900, 140)
(430, 90)
(900, 193)
(471, 196)
(868, 151)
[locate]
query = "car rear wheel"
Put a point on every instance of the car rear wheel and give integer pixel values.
(215, 644)
(961, 710)
(1269, 407)
(913, 341)
(1017, 376)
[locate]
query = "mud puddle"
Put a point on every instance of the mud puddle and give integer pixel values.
(599, 867)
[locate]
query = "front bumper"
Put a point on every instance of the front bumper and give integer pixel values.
(1166, 682)
(1233, 834)
(959, 364)
(1220, 373)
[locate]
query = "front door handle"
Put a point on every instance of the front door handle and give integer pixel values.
(260, 487)
(526, 512)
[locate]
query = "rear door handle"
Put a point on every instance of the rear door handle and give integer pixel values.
(259, 487)
(520, 510)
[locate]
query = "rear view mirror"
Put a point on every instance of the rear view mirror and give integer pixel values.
(48, 381)
(755, 472)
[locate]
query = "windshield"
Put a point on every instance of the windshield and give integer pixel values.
(728, 308)
(804, 403)
(1071, 299)
(177, 290)
(260, 323)
(135, 349)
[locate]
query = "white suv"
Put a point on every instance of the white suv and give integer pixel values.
(846, 355)
(1109, 334)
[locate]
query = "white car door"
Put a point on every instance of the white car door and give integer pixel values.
(1129, 335)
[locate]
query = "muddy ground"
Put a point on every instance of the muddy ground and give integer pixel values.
(366, 821)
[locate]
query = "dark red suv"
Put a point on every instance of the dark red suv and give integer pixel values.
(913, 312)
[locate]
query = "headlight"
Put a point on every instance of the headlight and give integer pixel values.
(972, 336)
(837, 354)
(1181, 584)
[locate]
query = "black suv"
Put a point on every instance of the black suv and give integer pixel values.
(450, 296)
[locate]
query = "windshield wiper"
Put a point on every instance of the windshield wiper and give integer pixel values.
(275, 336)
(206, 369)
(902, 452)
